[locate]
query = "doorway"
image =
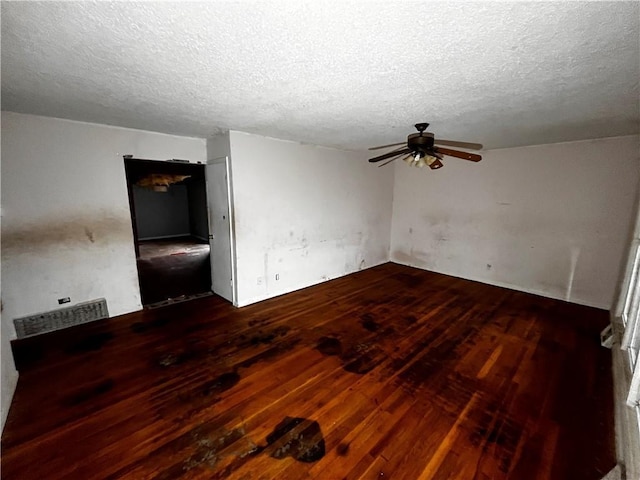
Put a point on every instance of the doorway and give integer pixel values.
(168, 202)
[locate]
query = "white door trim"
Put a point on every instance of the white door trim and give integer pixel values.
(232, 230)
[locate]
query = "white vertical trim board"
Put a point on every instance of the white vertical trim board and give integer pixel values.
(626, 418)
(630, 319)
(631, 276)
(626, 368)
(232, 232)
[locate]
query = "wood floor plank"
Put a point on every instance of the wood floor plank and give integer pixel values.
(392, 372)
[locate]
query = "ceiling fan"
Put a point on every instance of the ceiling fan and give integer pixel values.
(423, 149)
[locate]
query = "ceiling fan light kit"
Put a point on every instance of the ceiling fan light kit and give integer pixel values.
(421, 160)
(423, 149)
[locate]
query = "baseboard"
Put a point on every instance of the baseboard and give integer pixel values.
(261, 298)
(626, 419)
(614, 474)
(510, 286)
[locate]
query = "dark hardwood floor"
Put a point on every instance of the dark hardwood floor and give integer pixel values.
(391, 372)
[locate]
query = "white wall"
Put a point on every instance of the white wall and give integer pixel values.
(66, 226)
(9, 373)
(305, 213)
(218, 146)
(548, 219)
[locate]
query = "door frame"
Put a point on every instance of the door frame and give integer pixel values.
(232, 224)
(129, 162)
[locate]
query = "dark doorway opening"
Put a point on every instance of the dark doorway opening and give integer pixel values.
(168, 204)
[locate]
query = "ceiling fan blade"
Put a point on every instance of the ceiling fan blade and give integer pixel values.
(388, 146)
(453, 143)
(398, 149)
(455, 153)
(436, 164)
(389, 155)
(392, 160)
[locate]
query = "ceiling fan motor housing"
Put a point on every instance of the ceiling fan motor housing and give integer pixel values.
(420, 142)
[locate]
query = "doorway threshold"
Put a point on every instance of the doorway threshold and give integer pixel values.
(180, 299)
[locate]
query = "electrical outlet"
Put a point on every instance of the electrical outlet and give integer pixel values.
(277, 276)
(63, 300)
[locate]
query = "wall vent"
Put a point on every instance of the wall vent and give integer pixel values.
(61, 318)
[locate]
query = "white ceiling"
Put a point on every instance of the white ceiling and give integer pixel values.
(342, 74)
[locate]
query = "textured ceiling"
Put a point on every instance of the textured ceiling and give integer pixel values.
(342, 74)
